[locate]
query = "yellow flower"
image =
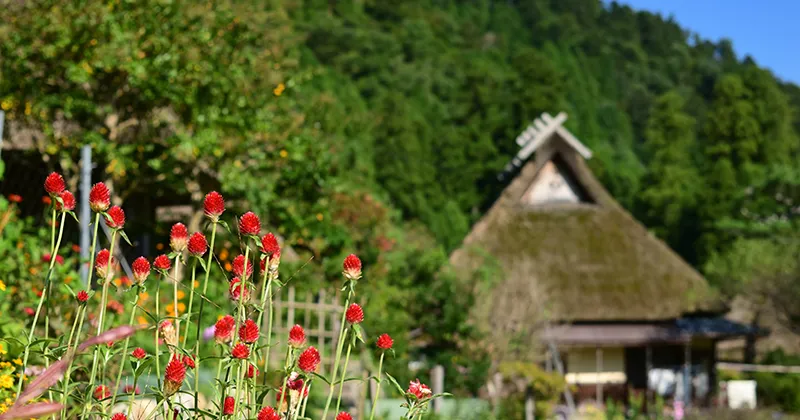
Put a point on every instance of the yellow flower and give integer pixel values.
(284, 153)
(141, 320)
(228, 267)
(195, 284)
(170, 308)
(6, 381)
(2, 346)
(144, 296)
(223, 255)
(279, 89)
(181, 307)
(181, 294)
(159, 246)
(320, 216)
(3, 288)
(18, 361)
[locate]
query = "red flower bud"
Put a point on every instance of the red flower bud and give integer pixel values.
(99, 198)
(418, 389)
(354, 314)
(15, 198)
(141, 269)
(116, 218)
(188, 361)
(197, 244)
(240, 351)
(228, 406)
(139, 353)
(162, 263)
(223, 329)
(178, 237)
(82, 296)
(29, 311)
(309, 360)
(54, 184)
(252, 371)
(248, 332)
(101, 392)
(104, 264)
(249, 224)
(297, 336)
(213, 206)
(385, 342)
(238, 267)
(238, 289)
(352, 267)
(68, 199)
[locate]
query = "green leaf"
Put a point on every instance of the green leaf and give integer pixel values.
(396, 384)
(125, 237)
(202, 263)
(321, 377)
(359, 333)
(72, 213)
(225, 225)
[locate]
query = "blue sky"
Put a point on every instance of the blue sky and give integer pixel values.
(767, 30)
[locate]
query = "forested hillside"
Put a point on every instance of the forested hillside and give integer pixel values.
(380, 126)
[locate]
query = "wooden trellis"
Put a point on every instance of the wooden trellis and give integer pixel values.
(319, 314)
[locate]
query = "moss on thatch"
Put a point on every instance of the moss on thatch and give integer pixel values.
(592, 261)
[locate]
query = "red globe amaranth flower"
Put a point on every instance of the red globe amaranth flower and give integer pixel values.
(297, 336)
(139, 353)
(227, 408)
(46, 258)
(248, 332)
(238, 289)
(162, 263)
(344, 416)
(82, 296)
(116, 217)
(188, 361)
(249, 224)
(54, 184)
(99, 198)
(238, 267)
(352, 267)
(119, 416)
(103, 264)
(141, 269)
(252, 371)
(294, 382)
(240, 351)
(418, 389)
(15, 198)
(29, 311)
(268, 413)
(269, 244)
(214, 206)
(385, 342)
(173, 376)
(273, 260)
(354, 314)
(101, 392)
(223, 329)
(68, 199)
(115, 306)
(309, 360)
(178, 236)
(197, 244)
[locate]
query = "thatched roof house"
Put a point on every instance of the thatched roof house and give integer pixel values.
(580, 265)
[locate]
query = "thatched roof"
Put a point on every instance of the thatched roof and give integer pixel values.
(591, 260)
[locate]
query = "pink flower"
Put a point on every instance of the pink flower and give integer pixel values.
(418, 389)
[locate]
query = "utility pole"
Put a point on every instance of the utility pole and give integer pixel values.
(85, 213)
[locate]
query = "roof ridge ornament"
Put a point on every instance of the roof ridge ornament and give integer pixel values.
(537, 134)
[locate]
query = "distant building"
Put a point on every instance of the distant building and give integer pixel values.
(624, 311)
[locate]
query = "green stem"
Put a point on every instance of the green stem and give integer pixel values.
(175, 297)
(338, 355)
(286, 365)
(158, 324)
(191, 301)
(53, 231)
(377, 389)
(305, 401)
(133, 394)
(75, 327)
(125, 348)
(266, 289)
(239, 320)
(344, 373)
(220, 383)
(103, 300)
(39, 306)
(300, 400)
(200, 315)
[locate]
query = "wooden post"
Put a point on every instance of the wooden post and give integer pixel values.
(290, 307)
(321, 325)
(648, 366)
(598, 370)
(437, 376)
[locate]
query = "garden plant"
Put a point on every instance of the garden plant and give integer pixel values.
(80, 374)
